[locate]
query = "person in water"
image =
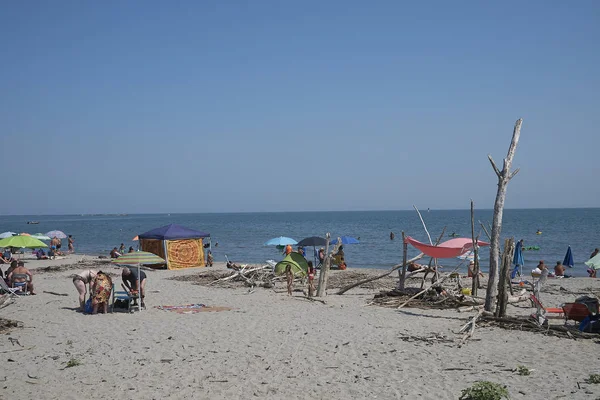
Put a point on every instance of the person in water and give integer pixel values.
(595, 253)
(392, 236)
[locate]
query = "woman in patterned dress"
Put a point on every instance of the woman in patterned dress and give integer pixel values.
(101, 289)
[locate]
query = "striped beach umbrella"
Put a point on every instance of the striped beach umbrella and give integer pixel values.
(138, 258)
(58, 234)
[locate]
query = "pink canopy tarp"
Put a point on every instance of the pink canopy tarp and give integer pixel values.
(449, 249)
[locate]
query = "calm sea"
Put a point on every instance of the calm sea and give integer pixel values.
(241, 236)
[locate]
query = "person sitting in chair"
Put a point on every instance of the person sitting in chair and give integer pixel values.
(41, 254)
(321, 256)
(114, 253)
(21, 276)
(6, 257)
(130, 279)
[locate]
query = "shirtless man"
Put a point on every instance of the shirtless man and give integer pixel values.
(559, 270)
(21, 270)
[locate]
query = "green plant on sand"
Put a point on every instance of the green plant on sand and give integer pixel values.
(73, 362)
(594, 378)
(523, 370)
(484, 390)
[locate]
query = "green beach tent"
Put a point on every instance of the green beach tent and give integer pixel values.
(298, 263)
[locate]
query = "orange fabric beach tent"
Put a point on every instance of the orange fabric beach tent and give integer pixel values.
(181, 247)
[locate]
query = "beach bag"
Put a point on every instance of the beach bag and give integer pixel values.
(591, 324)
(88, 306)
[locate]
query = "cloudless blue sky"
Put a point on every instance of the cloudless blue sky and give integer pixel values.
(210, 106)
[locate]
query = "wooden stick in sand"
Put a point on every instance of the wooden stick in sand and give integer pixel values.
(504, 177)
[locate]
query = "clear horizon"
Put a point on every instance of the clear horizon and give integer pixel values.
(298, 211)
(111, 106)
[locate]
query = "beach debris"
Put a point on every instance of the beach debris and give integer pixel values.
(593, 378)
(73, 362)
(56, 294)
(7, 325)
(432, 338)
(484, 390)
(5, 301)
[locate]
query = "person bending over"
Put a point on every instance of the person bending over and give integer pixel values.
(80, 280)
(130, 279)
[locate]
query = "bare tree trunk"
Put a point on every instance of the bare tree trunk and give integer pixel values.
(324, 275)
(475, 284)
(404, 257)
(507, 255)
(504, 177)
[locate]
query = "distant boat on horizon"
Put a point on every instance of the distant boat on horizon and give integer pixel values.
(33, 222)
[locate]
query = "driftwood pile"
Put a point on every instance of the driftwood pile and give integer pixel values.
(244, 275)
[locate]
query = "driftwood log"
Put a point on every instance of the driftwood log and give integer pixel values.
(475, 284)
(504, 278)
(374, 278)
(504, 177)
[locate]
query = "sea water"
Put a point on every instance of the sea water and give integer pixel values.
(241, 236)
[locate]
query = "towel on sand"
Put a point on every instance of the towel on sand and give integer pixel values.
(192, 308)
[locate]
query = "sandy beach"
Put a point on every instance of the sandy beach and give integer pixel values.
(270, 345)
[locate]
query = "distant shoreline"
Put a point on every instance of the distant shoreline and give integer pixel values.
(284, 212)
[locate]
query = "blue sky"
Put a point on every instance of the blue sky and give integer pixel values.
(212, 106)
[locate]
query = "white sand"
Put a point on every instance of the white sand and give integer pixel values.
(274, 346)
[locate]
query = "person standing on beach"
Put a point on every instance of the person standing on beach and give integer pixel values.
(311, 279)
(289, 276)
(288, 249)
(71, 247)
(80, 280)
(122, 248)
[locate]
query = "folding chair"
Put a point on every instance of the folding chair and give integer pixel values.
(21, 287)
(125, 295)
(542, 313)
(4, 287)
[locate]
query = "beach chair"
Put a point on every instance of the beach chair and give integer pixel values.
(543, 312)
(124, 295)
(575, 311)
(4, 288)
(20, 287)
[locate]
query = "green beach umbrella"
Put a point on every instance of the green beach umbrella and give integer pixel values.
(137, 258)
(593, 263)
(22, 241)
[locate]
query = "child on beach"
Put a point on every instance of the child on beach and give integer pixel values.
(71, 244)
(209, 259)
(311, 279)
(289, 276)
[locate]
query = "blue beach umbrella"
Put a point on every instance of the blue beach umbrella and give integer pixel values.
(280, 241)
(568, 261)
(344, 240)
(518, 260)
